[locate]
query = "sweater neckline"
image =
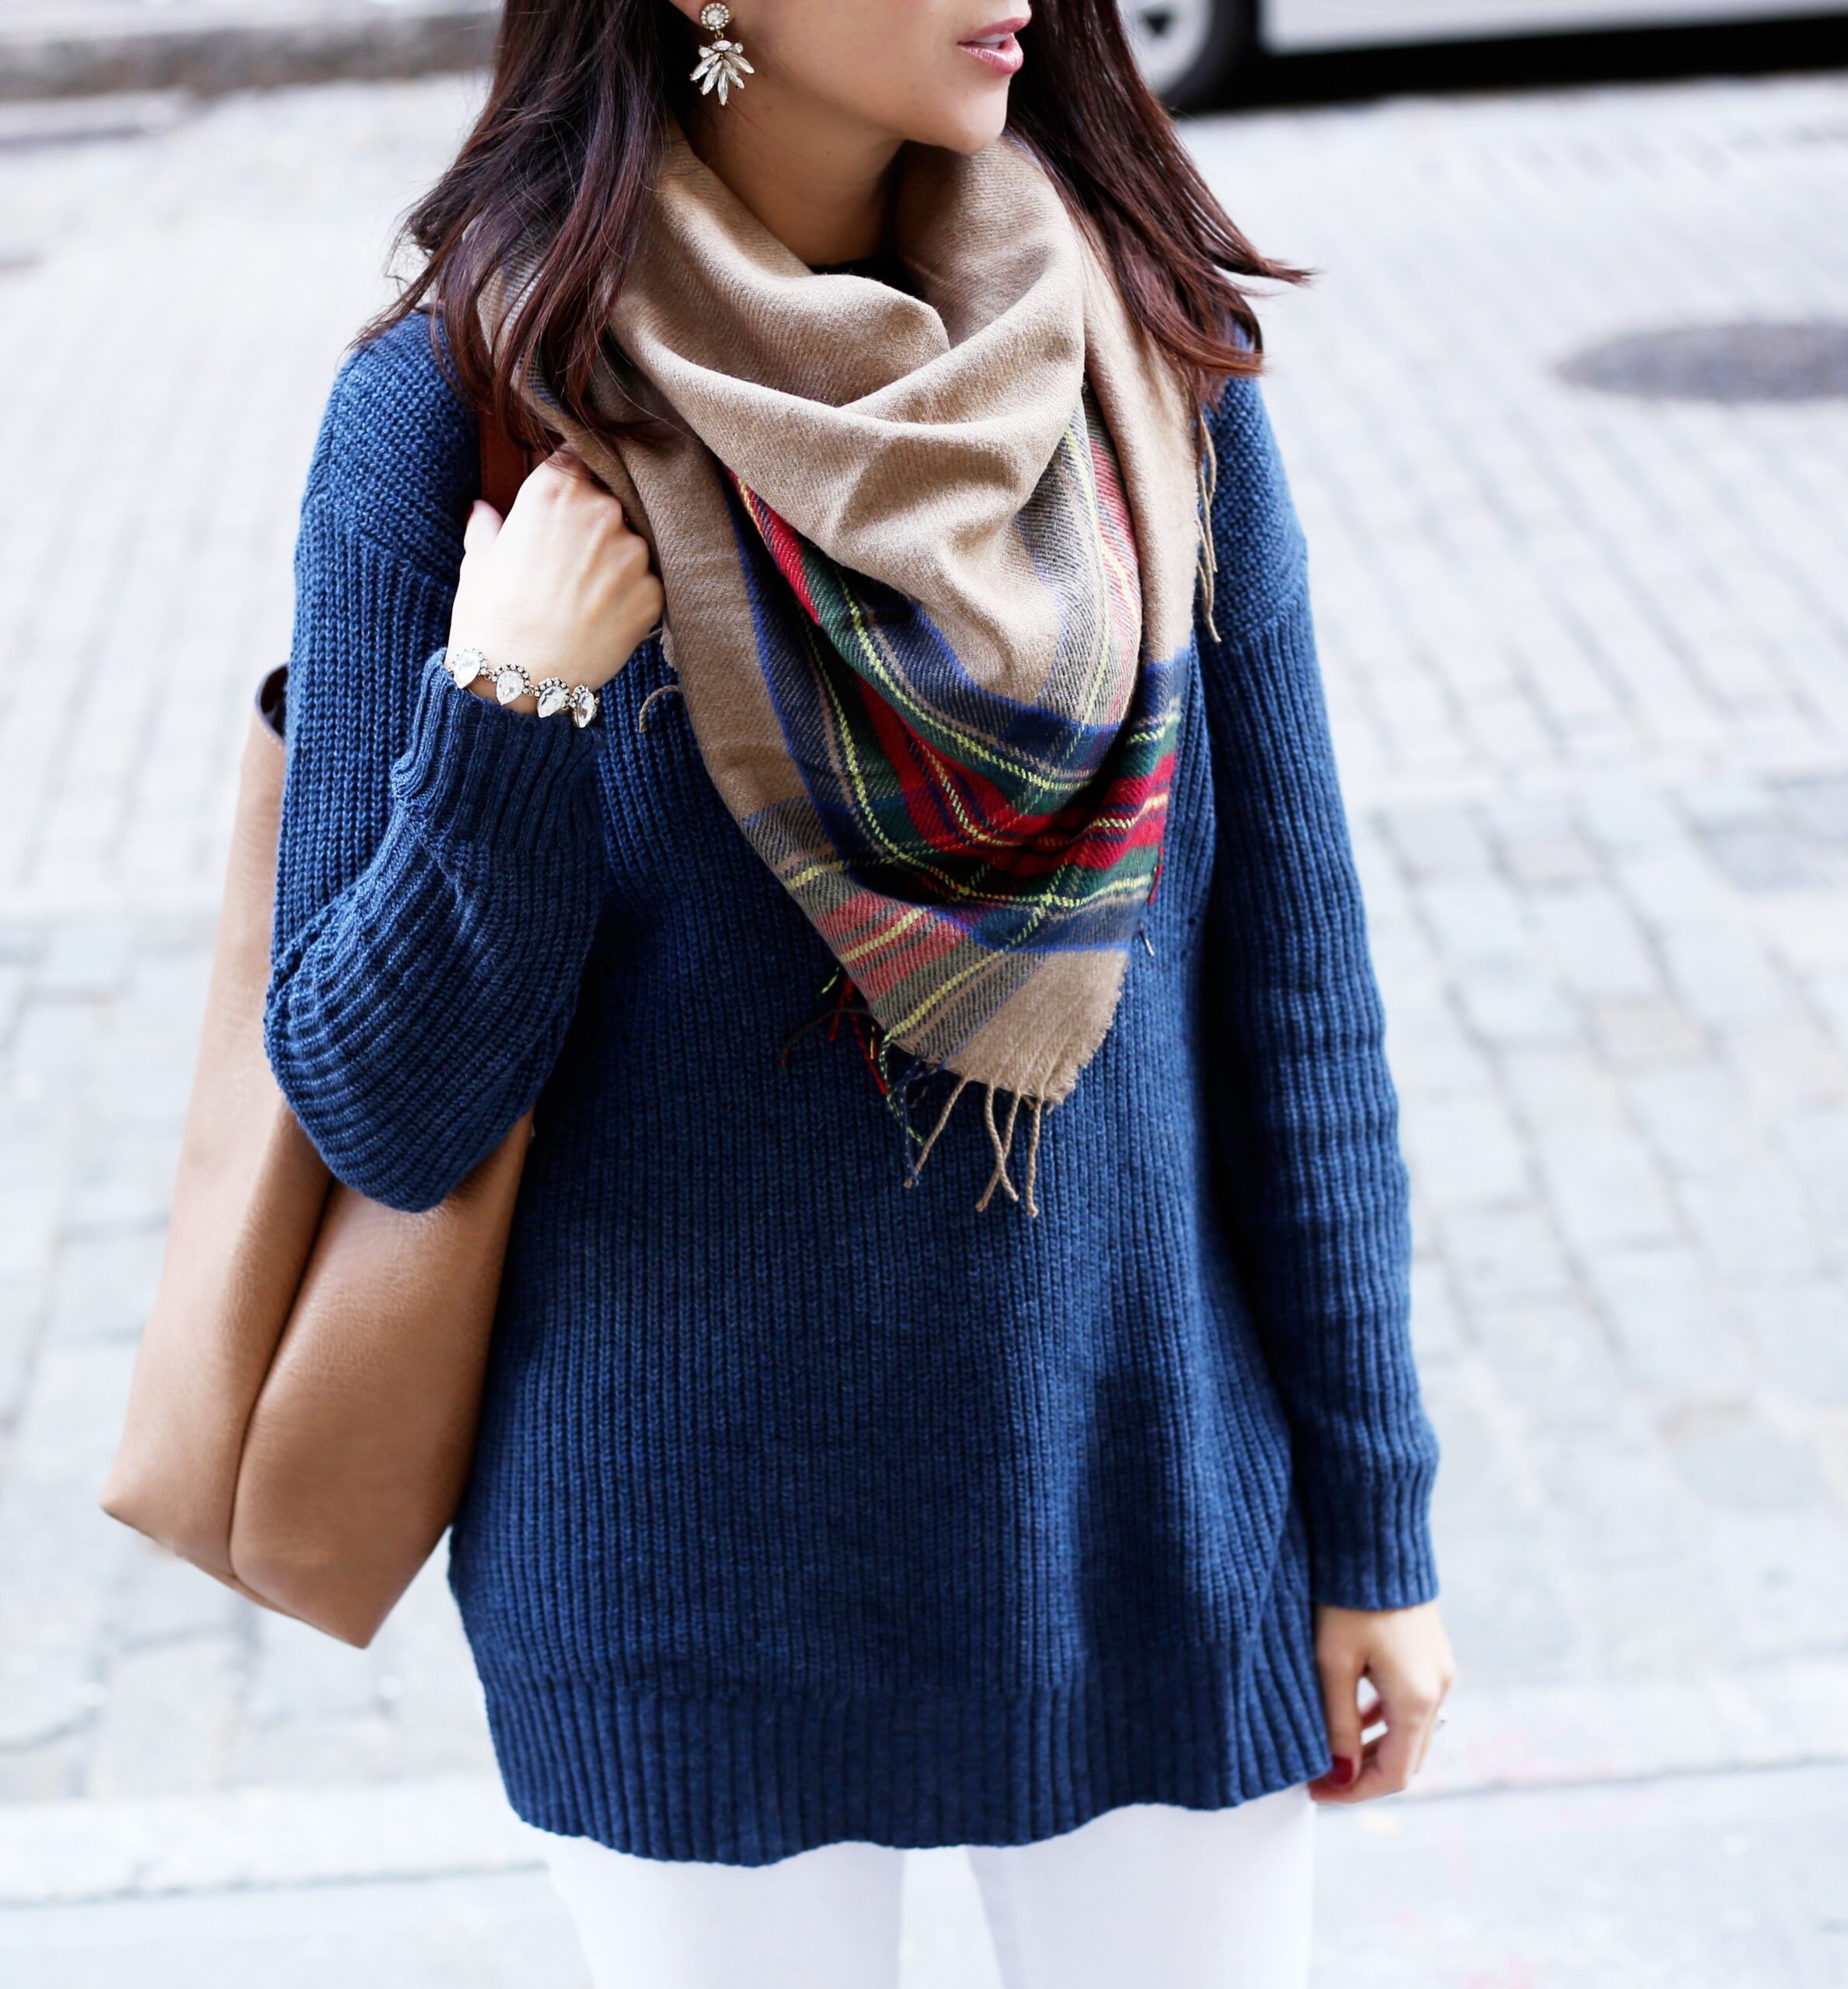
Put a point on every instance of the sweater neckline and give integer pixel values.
(882, 266)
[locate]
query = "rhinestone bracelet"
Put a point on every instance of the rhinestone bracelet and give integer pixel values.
(510, 681)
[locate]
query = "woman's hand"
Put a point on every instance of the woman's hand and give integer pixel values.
(1405, 1657)
(561, 585)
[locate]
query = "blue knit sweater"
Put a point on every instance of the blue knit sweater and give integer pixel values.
(806, 1507)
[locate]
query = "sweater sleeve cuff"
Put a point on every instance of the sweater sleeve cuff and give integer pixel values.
(476, 772)
(1369, 1537)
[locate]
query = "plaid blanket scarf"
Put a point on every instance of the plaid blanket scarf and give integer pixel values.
(928, 563)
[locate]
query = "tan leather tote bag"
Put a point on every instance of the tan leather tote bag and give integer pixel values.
(302, 1415)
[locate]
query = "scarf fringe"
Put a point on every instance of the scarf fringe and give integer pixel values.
(660, 691)
(842, 1005)
(671, 688)
(917, 1166)
(1001, 1143)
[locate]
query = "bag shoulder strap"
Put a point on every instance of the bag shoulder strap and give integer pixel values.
(505, 464)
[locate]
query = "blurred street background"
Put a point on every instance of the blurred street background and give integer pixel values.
(1567, 417)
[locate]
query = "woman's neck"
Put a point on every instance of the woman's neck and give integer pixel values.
(817, 183)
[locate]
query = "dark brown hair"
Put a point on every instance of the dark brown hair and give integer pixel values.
(575, 122)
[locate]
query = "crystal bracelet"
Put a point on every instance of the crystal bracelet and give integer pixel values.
(510, 681)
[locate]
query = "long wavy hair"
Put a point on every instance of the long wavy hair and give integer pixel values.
(575, 121)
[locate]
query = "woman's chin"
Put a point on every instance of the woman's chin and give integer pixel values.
(967, 127)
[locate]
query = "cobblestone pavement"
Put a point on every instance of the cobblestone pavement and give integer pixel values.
(1588, 659)
(65, 48)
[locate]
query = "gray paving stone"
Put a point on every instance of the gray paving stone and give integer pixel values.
(1553, 1361)
(1440, 842)
(124, 1179)
(490, 1931)
(1816, 1144)
(12, 995)
(1828, 994)
(160, 1599)
(1752, 1216)
(86, 959)
(1726, 800)
(1696, 1119)
(1507, 1006)
(1537, 857)
(1710, 1883)
(1506, 1255)
(1465, 1151)
(104, 1281)
(1788, 1066)
(1431, 1056)
(1629, 1034)
(1593, 944)
(1476, 919)
(1782, 1586)
(170, 1718)
(1762, 855)
(1735, 1459)
(1724, 976)
(1671, 887)
(54, 1047)
(1818, 805)
(1437, 1322)
(1624, 819)
(24, 1292)
(60, 1556)
(1671, 1321)
(1605, 1192)
(1803, 931)
(1800, 1330)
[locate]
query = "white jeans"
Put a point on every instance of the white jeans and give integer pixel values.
(1143, 1896)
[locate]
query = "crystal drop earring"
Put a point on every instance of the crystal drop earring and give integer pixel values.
(721, 67)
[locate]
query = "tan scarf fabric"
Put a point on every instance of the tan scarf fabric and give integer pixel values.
(912, 441)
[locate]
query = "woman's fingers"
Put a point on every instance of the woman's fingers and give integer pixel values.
(563, 484)
(482, 527)
(567, 590)
(564, 472)
(1411, 1714)
(1385, 1763)
(1339, 1667)
(1402, 1659)
(1429, 1734)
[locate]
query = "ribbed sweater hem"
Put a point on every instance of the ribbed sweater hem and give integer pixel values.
(1370, 1543)
(475, 772)
(747, 1780)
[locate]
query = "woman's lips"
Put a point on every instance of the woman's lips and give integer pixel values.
(996, 48)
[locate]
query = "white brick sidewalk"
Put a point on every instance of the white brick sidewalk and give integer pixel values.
(1588, 665)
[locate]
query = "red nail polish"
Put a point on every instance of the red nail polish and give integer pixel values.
(1342, 1770)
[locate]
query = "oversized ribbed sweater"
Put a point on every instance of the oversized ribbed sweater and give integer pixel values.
(807, 1507)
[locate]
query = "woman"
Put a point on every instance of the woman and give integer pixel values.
(950, 1384)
